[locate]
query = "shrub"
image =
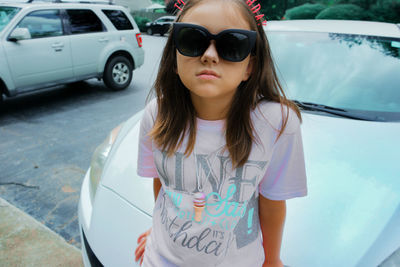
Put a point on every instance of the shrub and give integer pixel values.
(345, 11)
(360, 3)
(306, 11)
(141, 22)
(386, 11)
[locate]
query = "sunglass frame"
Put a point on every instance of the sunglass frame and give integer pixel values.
(252, 35)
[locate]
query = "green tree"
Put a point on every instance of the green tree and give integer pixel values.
(344, 11)
(161, 2)
(141, 22)
(306, 11)
(386, 11)
(361, 3)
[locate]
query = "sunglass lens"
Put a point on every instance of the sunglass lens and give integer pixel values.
(191, 42)
(233, 46)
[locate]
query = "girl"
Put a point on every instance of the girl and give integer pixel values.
(223, 151)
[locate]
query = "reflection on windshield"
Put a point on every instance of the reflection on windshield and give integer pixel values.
(351, 72)
(6, 14)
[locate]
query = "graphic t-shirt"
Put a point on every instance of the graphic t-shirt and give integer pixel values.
(229, 232)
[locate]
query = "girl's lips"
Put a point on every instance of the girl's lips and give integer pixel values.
(207, 77)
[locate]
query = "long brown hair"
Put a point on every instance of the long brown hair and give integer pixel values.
(176, 114)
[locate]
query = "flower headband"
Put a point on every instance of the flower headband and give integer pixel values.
(255, 9)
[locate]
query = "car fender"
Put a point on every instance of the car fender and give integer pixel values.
(109, 50)
(5, 74)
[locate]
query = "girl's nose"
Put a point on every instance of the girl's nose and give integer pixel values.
(211, 53)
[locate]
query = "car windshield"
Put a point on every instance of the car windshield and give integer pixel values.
(359, 74)
(6, 14)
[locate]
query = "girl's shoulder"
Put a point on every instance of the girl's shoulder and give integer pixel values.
(150, 110)
(150, 113)
(269, 114)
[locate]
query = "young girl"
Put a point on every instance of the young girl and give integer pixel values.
(222, 143)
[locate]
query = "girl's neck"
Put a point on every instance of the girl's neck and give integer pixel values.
(210, 108)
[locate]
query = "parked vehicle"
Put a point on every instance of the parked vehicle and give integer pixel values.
(344, 76)
(47, 44)
(160, 25)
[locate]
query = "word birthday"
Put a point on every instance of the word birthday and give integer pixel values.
(180, 2)
(255, 9)
(222, 205)
(208, 241)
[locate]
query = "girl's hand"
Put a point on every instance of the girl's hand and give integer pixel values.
(277, 263)
(139, 252)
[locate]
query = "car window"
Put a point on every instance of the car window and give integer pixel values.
(160, 20)
(6, 15)
(42, 23)
(352, 72)
(84, 21)
(119, 19)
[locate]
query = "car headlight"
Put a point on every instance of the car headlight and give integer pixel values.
(148, 24)
(99, 158)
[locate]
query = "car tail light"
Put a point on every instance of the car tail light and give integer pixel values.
(139, 39)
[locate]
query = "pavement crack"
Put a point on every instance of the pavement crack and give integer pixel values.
(21, 184)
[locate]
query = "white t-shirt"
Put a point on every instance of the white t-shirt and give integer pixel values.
(229, 233)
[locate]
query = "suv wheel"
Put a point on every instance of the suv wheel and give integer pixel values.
(118, 73)
(149, 31)
(1, 100)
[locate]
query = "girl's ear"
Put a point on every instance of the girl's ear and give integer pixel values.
(249, 69)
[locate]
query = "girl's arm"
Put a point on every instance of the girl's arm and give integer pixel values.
(272, 215)
(156, 187)
(139, 252)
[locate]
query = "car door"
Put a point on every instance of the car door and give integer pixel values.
(89, 37)
(158, 24)
(43, 57)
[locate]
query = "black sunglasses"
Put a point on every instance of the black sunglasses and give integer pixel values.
(192, 40)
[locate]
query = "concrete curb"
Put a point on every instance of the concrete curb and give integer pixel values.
(27, 242)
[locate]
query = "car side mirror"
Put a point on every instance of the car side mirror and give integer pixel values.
(19, 34)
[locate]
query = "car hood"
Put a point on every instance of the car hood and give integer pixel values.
(351, 214)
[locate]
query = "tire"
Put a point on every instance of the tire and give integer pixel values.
(118, 73)
(149, 31)
(1, 100)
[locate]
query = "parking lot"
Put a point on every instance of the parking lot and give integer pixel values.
(47, 140)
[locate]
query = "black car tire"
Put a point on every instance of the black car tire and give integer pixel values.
(149, 31)
(118, 73)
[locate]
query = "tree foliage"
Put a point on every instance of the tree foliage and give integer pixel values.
(306, 11)
(344, 11)
(374, 10)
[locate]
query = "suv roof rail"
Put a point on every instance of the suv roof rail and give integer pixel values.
(110, 2)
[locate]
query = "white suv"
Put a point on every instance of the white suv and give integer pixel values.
(46, 44)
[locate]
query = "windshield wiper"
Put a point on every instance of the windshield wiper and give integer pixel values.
(335, 111)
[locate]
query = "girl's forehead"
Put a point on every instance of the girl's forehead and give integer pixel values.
(216, 16)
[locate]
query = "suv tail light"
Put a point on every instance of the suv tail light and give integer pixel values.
(139, 39)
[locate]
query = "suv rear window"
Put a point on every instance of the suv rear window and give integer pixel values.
(84, 21)
(119, 19)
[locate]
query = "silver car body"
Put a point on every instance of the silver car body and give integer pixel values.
(31, 64)
(350, 217)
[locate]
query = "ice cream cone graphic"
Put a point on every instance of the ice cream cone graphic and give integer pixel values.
(198, 204)
(197, 213)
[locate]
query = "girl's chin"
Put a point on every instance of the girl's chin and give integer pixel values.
(208, 93)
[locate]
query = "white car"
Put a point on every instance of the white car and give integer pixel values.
(46, 44)
(344, 76)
